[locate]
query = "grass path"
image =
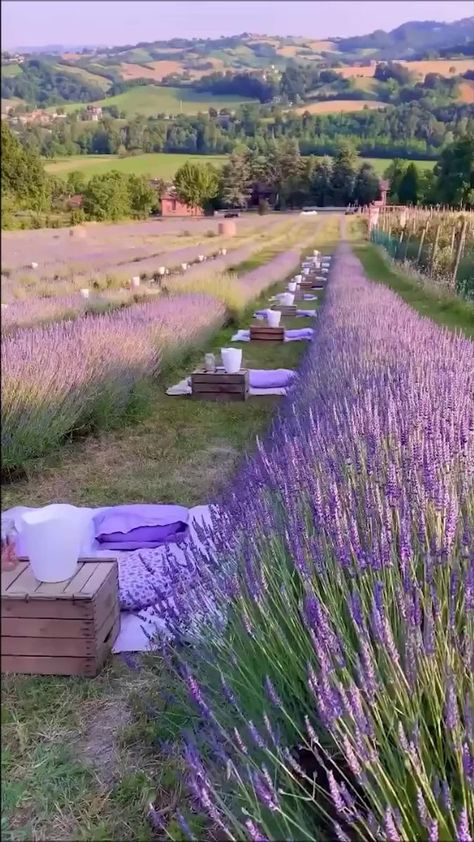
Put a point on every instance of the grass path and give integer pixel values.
(82, 758)
(444, 309)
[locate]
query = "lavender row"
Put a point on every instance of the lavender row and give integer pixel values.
(81, 375)
(333, 676)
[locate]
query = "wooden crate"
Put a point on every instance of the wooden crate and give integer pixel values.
(264, 333)
(306, 284)
(220, 386)
(60, 628)
(286, 309)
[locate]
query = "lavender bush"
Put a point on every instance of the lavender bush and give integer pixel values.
(83, 374)
(336, 700)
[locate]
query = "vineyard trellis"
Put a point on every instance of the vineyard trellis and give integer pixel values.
(437, 243)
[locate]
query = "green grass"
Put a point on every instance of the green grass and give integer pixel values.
(82, 759)
(446, 310)
(86, 75)
(159, 164)
(10, 70)
(150, 100)
(156, 165)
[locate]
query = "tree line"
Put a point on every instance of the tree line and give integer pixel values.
(280, 177)
(409, 131)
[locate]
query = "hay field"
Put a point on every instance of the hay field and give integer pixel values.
(336, 106)
(155, 70)
(421, 68)
(466, 92)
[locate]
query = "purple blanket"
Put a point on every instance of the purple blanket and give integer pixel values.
(140, 526)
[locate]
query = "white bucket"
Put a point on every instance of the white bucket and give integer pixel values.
(33, 265)
(287, 299)
(231, 359)
(85, 292)
(224, 252)
(52, 539)
(201, 258)
(135, 282)
(292, 286)
(162, 270)
(298, 278)
(273, 317)
(316, 253)
(184, 266)
(306, 271)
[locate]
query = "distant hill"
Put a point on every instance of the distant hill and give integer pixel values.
(232, 69)
(410, 38)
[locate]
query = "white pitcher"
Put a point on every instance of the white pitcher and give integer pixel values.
(231, 359)
(292, 286)
(135, 282)
(298, 278)
(287, 299)
(273, 317)
(162, 270)
(316, 253)
(85, 292)
(200, 258)
(52, 539)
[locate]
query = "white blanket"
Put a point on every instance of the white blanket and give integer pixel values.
(184, 388)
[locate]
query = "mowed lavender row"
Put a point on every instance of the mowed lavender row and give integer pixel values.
(333, 684)
(92, 368)
(56, 307)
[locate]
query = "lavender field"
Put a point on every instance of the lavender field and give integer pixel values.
(332, 683)
(70, 369)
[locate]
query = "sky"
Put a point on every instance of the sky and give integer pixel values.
(108, 22)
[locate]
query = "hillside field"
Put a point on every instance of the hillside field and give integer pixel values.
(150, 100)
(159, 165)
(336, 106)
(420, 68)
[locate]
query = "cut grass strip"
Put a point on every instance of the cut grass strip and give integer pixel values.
(446, 310)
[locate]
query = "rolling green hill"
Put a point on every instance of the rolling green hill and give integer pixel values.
(150, 100)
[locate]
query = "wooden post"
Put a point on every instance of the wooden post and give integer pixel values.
(435, 246)
(453, 240)
(422, 240)
(462, 240)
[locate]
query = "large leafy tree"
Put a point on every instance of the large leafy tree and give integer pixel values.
(108, 197)
(321, 185)
(409, 190)
(24, 179)
(196, 184)
(455, 173)
(236, 181)
(343, 174)
(367, 185)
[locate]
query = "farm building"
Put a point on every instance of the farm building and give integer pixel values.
(172, 206)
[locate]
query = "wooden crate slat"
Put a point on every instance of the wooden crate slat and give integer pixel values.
(269, 334)
(47, 665)
(46, 627)
(220, 396)
(226, 388)
(10, 576)
(73, 647)
(54, 590)
(25, 584)
(79, 580)
(97, 579)
(106, 599)
(53, 609)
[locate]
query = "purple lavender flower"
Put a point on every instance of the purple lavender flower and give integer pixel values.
(463, 831)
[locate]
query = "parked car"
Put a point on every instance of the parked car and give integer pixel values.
(231, 215)
(309, 213)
